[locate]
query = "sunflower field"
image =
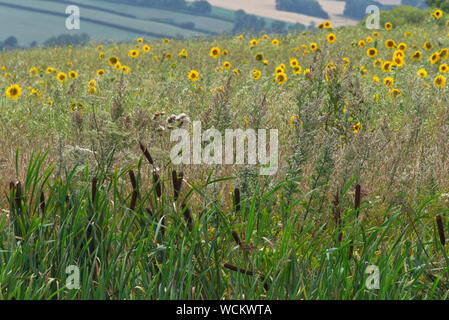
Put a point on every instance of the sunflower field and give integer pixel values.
(86, 179)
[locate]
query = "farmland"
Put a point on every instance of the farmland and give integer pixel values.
(88, 180)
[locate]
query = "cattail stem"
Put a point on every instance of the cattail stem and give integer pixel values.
(132, 206)
(440, 228)
(94, 189)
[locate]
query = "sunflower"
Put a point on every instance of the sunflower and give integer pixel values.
(444, 68)
(376, 79)
(101, 55)
(320, 26)
(281, 78)
(390, 44)
(193, 75)
(100, 72)
(92, 83)
(166, 40)
(13, 92)
(422, 73)
(361, 43)
(125, 69)
(297, 70)
(356, 127)
(377, 63)
(444, 53)
(440, 81)
(389, 81)
(417, 56)
(394, 92)
(398, 61)
(92, 90)
(279, 70)
(139, 40)
(146, 48)
(428, 45)
(214, 52)
(376, 35)
(437, 14)
(386, 67)
(62, 77)
(73, 75)
(371, 52)
(331, 38)
(253, 42)
(112, 61)
(183, 53)
(34, 71)
(402, 46)
(275, 42)
(100, 47)
(307, 74)
(388, 26)
(133, 53)
(313, 46)
(369, 39)
(118, 66)
(434, 58)
(256, 74)
(327, 24)
(259, 57)
(226, 65)
(293, 62)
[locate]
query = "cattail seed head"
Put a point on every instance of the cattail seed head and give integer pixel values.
(237, 199)
(236, 237)
(157, 183)
(146, 153)
(440, 228)
(132, 177)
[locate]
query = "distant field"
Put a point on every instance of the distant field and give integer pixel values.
(201, 22)
(267, 8)
(40, 20)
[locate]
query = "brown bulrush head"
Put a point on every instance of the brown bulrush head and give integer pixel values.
(16, 188)
(146, 153)
(236, 237)
(42, 202)
(94, 188)
(187, 215)
(237, 199)
(440, 228)
(149, 211)
(132, 206)
(247, 272)
(132, 177)
(177, 182)
(67, 200)
(157, 182)
(357, 198)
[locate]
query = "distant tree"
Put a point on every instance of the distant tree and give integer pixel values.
(356, 9)
(309, 7)
(201, 6)
(10, 43)
(441, 4)
(247, 22)
(67, 39)
(278, 26)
